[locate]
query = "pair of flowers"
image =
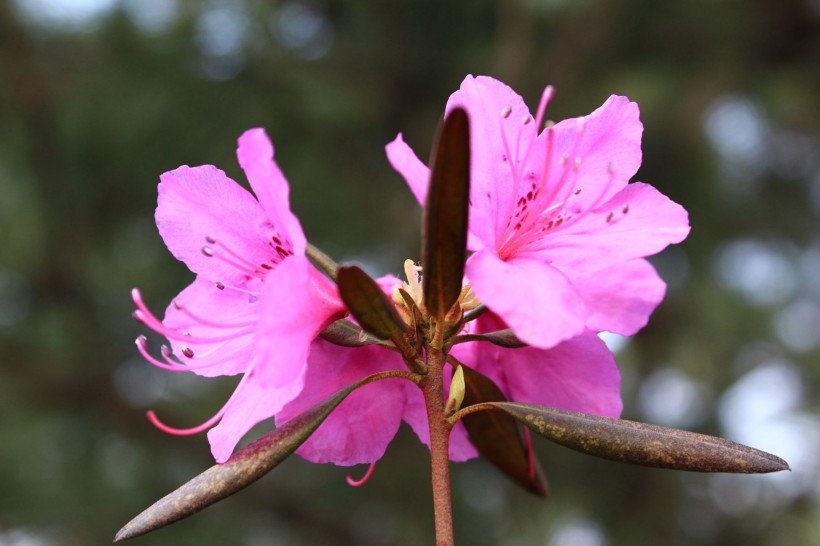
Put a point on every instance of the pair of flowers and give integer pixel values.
(558, 239)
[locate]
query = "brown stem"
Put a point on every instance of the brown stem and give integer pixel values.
(433, 388)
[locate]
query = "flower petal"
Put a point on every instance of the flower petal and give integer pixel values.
(297, 304)
(605, 150)
(500, 137)
(407, 164)
(251, 403)
(192, 312)
(255, 154)
(360, 428)
(579, 374)
(620, 299)
(533, 298)
(197, 203)
(639, 221)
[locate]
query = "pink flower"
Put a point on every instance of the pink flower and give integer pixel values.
(359, 430)
(559, 234)
(256, 304)
(579, 374)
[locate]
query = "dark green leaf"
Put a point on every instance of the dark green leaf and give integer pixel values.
(498, 437)
(502, 338)
(368, 304)
(642, 444)
(346, 334)
(243, 468)
(445, 215)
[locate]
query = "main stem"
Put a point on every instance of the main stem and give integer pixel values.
(433, 388)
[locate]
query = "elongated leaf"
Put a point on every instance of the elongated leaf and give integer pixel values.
(243, 468)
(498, 437)
(346, 334)
(641, 443)
(368, 304)
(445, 215)
(503, 338)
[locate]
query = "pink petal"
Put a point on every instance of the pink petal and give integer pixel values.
(192, 312)
(620, 299)
(360, 428)
(579, 374)
(298, 303)
(534, 298)
(607, 149)
(407, 164)
(415, 415)
(494, 184)
(639, 221)
(251, 403)
(417, 176)
(197, 203)
(255, 154)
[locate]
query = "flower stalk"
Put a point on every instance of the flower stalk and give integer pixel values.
(433, 388)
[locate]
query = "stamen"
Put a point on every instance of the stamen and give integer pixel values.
(142, 346)
(546, 97)
(144, 315)
(250, 271)
(358, 483)
(227, 249)
(204, 426)
(184, 431)
(210, 323)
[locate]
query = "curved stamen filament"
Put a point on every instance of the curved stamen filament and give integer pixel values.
(248, 264)
(358, 483)
(152, 322)
(169, 364)
(144, 315)
(251, 271)
(212, 324)
(546, 97)
(204, 426)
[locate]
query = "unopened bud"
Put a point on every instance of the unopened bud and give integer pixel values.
(456, 393)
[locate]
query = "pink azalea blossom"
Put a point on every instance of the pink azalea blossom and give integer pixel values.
(559, 234)
(256, 304)
(256, 307)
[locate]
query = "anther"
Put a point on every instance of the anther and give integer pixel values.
(527, 120)
(187, 352)
(505, 113)
(208, 251)
(609, 217)
(625, 209)
(210, 240)
(219, 285)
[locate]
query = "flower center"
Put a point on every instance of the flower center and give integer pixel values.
(413, 287)
(546, 188)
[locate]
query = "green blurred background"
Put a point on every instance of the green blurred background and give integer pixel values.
(98, 97)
